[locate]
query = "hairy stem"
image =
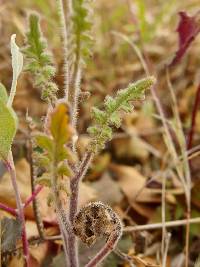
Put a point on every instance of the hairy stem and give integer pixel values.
(75, 101)
(64, 36)
(107, 249)
(74, 185)
(11, 169)
(62, 220)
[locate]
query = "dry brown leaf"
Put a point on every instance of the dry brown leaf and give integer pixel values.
(143, 209)
(24, 183)
(87, 194)
(37, 252)
(111, 196)
(133, 184)
(130, 147)
(23, 179)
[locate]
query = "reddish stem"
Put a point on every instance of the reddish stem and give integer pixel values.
(108, 247)
(74, 186)
(8, 209)
(20, 212)
(193, 121)
(33, 196)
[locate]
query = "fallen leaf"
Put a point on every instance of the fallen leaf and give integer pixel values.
(24, 183)
(111, 196)
(133, 184)
(87, 194)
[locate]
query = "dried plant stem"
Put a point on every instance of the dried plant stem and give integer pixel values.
(136, 50)
(154, 226)
(11, 169)
(64, 36)
(186, 167)
(187, 237)
(167, 240)
(163, 217)
(74, 185)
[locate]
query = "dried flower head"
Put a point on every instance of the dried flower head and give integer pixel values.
(96, 220)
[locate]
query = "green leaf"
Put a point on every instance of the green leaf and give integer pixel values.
(101, 131)
(80, 33)
(45, 180)
(3, 94)
(45, 142)
(10, 233)
(42, 160)
(65, 153)
(115, 120)
(64, 169)
(98, 115)
(8, 127)
(39, 61)
(55, 154)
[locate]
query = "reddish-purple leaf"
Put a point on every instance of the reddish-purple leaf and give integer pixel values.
(188, 29)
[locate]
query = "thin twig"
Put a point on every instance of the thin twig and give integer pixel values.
(186, 167)
(160, 225)
(33, 196)
(163, 216)
(167, 240)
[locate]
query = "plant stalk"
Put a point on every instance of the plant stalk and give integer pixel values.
(73, 206)
(20, 211)
(64, 36)
(62, 220)
(107, 249)
(33, 196)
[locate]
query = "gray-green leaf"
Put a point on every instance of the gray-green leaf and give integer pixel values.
(8, 127)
